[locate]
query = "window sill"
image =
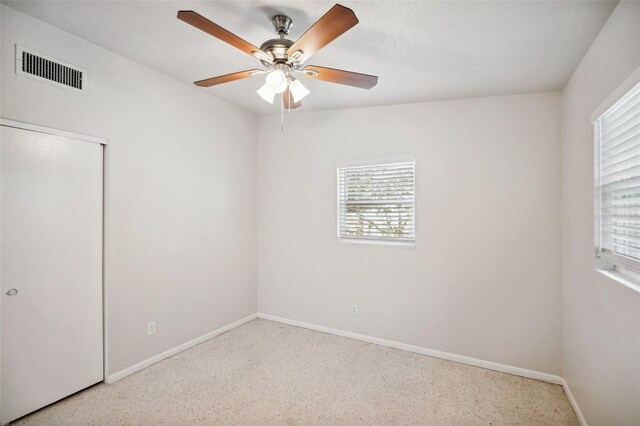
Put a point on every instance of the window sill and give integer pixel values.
(407, 244)
(627, 279)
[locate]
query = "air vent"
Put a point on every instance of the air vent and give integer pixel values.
(44, 68)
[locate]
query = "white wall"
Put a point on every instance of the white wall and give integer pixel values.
(182, 223)
(601, 317)
(484, 278)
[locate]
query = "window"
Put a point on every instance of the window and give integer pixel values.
(376, 203)
(617, 158)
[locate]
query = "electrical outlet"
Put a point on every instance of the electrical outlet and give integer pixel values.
(151, 328)
(354, 309)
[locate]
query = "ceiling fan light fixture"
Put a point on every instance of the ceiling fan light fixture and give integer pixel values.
(277, 81)
(298, 91)
(266, 93)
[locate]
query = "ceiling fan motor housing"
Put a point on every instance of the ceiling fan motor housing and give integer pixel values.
(277, 47)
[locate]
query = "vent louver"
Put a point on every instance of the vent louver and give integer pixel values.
(45, 68)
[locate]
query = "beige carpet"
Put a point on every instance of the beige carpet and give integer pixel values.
(269, 373)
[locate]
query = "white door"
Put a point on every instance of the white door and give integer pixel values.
(50, 269)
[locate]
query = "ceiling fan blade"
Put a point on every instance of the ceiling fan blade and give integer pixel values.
(287, 100)
(227, 78)
(337, 21)
(349, 78)
(202, 23)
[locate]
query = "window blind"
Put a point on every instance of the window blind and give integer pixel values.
(617, 134)
(377, 202)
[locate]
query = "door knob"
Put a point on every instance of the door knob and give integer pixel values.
(12, 292)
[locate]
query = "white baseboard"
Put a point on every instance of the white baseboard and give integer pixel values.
(574, 403)
(166, 354)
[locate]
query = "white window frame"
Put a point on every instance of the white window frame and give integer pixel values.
(623, 269)
(409, 243)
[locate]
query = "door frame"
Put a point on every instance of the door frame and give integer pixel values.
(105, 217)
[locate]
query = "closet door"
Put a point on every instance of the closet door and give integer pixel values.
(50, 268)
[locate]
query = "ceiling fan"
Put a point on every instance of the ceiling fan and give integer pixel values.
(283, 58)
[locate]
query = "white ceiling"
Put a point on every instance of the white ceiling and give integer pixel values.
(421, 51)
